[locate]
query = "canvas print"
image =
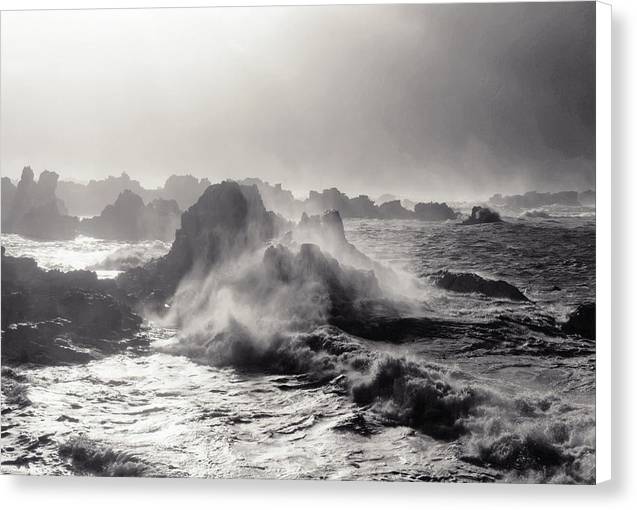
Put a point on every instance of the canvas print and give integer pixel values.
(312, 242)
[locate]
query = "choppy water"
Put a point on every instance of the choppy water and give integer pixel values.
(169, 416)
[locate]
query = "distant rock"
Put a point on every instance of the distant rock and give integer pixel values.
(433, 211)
(275, 198)
(536, 214)
(471, 282)
(185, 189)
(482, 215)
(33, 210)
(393, 210)
(587, 198)
(55, 317)
(533, 199)
(128, 219)
(581, 321)
(90, 199)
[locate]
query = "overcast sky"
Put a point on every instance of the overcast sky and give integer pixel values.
(437, 101)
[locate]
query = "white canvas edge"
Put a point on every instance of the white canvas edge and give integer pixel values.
(603, 244)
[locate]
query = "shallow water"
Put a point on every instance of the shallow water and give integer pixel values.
(181, 418)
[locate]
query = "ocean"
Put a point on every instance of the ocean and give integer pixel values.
(509, 401)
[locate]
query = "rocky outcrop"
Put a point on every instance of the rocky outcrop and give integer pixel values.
(393, 210)
(33, 210)
(581, 321)
(226, 221)
(533, 199)
(482, 215)
(56, 317)
(472, 283)
(185, 189)
(275, 198)
(90, 199)
(434, 211)
(128, 219)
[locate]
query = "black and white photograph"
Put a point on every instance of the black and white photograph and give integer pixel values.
(331, 242)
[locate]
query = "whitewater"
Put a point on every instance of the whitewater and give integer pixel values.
(458, 401)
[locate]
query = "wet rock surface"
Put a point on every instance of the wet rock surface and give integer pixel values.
(581, 321)
(227, 220)
(471, 282)
(50, 316)
(482, 215)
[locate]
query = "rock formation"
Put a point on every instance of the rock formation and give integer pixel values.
(90, 199)
(185, 189)
(226, 221)
(433, 211)
(470, 283)
(482, 215)
(393, 210)
(581, 321)
(533, 199)
(56, 317)
(32, 208)
(128, 219)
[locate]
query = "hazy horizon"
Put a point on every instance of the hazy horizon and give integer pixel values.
(443, 102)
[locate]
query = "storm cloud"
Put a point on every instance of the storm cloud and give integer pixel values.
(425, 101)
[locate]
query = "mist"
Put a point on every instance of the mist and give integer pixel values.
(428, 102)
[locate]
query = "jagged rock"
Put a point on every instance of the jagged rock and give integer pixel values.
(32, 209)
(581, 321)
(470, 283)
(185, 189)
(128, 219)
(91, 199)
(393, 210)
(226, 221)
(433, 211)
(50, 316)
(482, 215)
(343, 289)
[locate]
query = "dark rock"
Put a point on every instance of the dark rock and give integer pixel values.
(470, 282)
(128, 219)
(482, 215)
(185, 189)
(55, 314)
(227, 220)
(91, 199)
(433, 211)
(581, 321)
(393, 210)
(33, 210)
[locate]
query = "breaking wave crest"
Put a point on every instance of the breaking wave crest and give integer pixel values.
(277, 310)
(90, 457)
